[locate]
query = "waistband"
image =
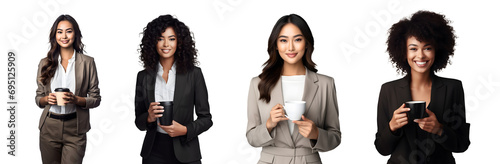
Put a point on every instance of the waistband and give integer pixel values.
(63, 117)
(288, 151)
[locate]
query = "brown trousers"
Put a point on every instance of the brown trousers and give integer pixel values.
(60, 143)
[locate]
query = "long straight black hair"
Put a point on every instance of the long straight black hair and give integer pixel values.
(273, 66)
(49, 67)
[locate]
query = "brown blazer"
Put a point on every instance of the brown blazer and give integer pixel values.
(86, 86)
(321, 108)
(409, 142)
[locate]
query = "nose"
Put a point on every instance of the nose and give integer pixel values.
(291, 47)
(65, 35)
(165, 44)
(420, 54)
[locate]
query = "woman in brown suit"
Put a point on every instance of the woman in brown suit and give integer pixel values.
(63, 128)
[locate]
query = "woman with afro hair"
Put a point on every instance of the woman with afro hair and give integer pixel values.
(168, 55)
(419, 47)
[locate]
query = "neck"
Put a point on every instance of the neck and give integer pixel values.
(166, 63)
(293, 69)
(420, 79)
(67, 53)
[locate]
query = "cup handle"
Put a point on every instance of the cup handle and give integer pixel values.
(285, 112)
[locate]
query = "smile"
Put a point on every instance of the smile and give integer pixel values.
(291, 55)
(421, 63)
(165, 51)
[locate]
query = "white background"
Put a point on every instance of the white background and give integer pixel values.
(231, 37)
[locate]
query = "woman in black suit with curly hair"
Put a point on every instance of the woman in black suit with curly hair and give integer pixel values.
(168, 55)
(419, 47)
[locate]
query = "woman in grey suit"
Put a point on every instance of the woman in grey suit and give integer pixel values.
(419, 47)
(63, 128)
(290, 75)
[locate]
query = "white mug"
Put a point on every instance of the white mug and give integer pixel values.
(294, 109)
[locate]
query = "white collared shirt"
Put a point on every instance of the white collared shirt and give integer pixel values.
(164, 91)
(293, 90)
(64, 79)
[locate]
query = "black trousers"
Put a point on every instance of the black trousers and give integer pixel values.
(162, 152)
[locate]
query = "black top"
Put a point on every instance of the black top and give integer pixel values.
(410, 144)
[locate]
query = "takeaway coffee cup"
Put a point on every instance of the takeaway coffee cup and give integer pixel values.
(168, 108)
(417, 109)
(60, 94)
(294, 109)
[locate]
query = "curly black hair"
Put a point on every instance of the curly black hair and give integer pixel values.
(185, 55)
(425, 26)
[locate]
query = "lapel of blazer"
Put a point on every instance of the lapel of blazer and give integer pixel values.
(277, 97)
(404, 95)
(150, 86)
(310, 90)
(78, 73)
(438, 95)
(180, 85)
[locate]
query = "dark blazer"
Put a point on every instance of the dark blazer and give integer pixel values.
(87, 86)
(447, 103)
(190, 90)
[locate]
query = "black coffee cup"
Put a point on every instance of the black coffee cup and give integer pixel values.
(168, 112)
(417, 109)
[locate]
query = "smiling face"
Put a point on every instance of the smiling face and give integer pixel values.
(420, 55)
(167, 43)
(291, 44)
(65, 35)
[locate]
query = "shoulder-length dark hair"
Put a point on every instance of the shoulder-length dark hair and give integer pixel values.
(425, 26)
(49, 68)
(273, 66)
(185, 55)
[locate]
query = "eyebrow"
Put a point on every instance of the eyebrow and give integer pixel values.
(66, 29)
(416, 45)
(168, 36)
(284, 36)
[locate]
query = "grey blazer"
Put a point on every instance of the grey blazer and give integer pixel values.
(86, 86)
(281, 147)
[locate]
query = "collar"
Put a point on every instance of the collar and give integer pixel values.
(160, 69)
(72, 59)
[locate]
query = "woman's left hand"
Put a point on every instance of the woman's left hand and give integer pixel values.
(175, 129)
(430, 124)
(307, 128)
(73, 99)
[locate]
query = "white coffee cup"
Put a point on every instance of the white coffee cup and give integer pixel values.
(60, 94)
(294, 109)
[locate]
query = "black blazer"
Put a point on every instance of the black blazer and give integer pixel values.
(447, 102)
(190, 90)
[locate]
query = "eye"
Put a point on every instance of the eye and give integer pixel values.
(428, 48)
(298, 39)
(283, 40)
(160, 39)
(172, 39)
(70, 32)
(413, 49)
(59, 32)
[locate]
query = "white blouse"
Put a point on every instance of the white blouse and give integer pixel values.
(164, 91)
(293, 90)
(64, 79)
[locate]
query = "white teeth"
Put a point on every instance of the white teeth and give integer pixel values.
(166, 51)
(421, 63)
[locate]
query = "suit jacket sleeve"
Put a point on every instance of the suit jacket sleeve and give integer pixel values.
(455, 136)
(94, 98)
(257, 134)
(329, 135)
(202, 108)
(141, 110)
(40, 90)
(385, 141)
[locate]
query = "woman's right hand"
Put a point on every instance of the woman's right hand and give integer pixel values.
(277, 114)
(399, 118)
(51, 99)
(153, 111)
